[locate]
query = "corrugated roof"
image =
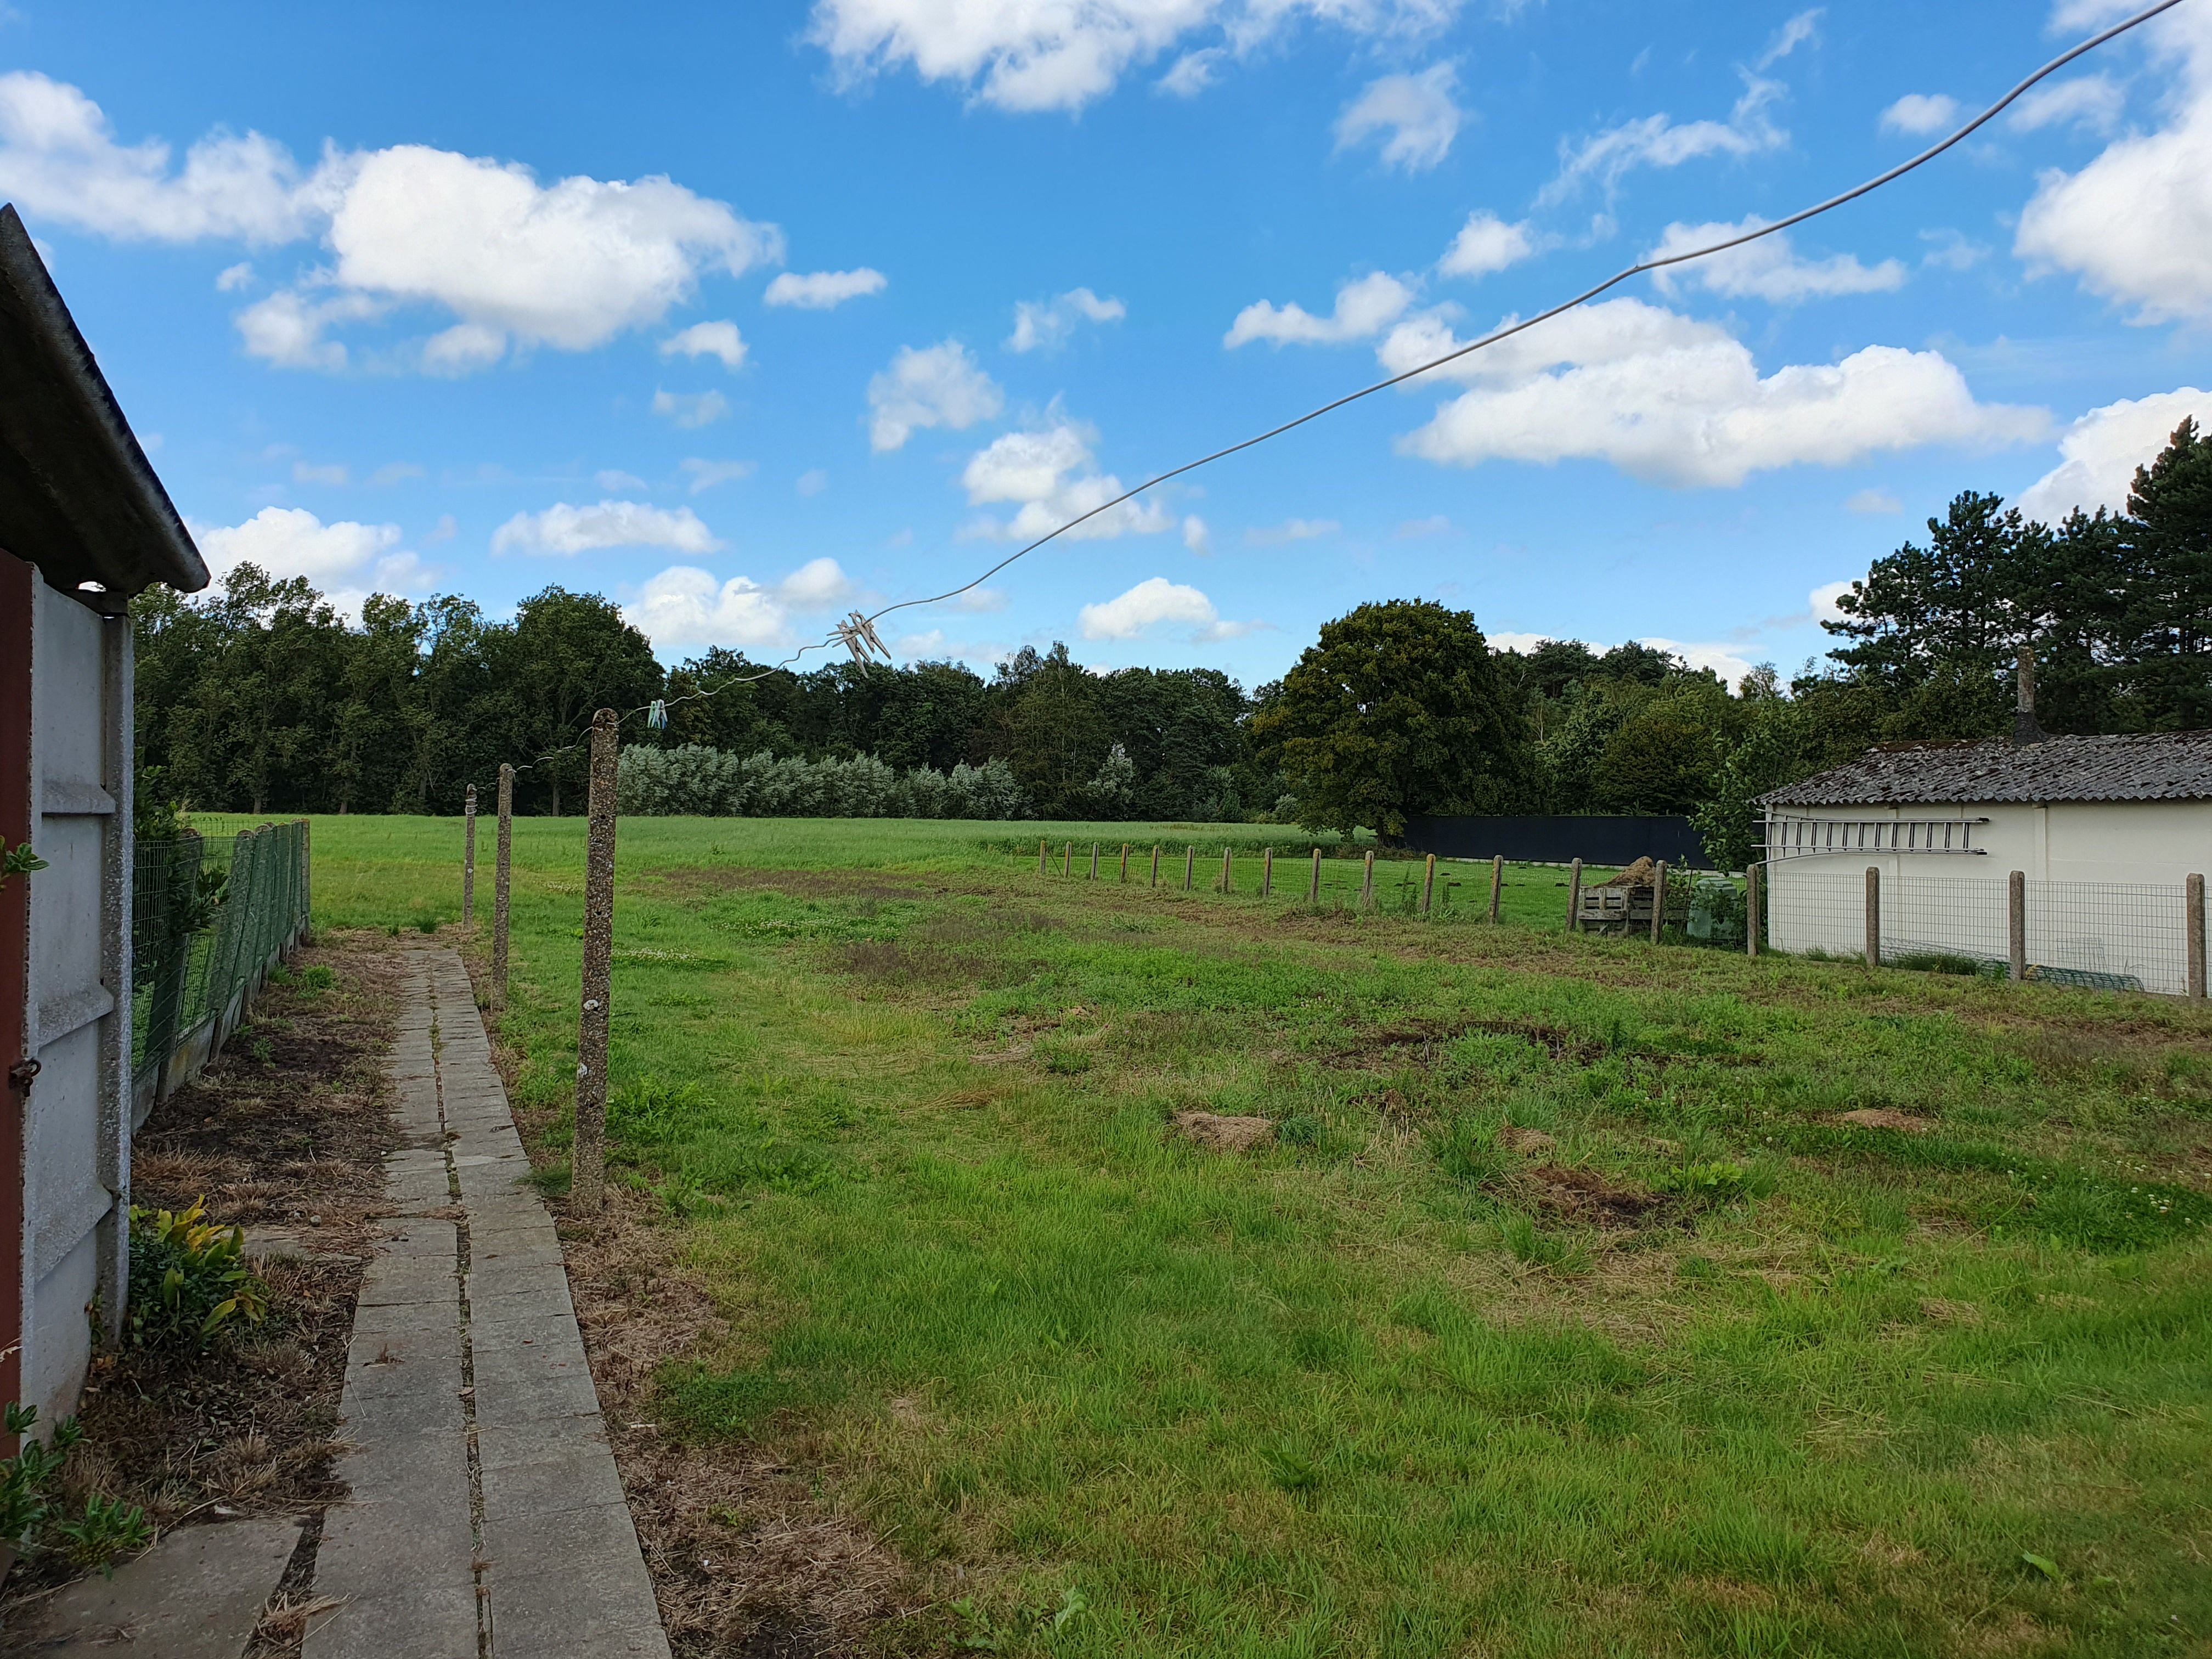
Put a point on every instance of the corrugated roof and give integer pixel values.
(78, 496)
(2143, 766)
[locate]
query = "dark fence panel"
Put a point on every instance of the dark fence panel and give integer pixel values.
(1559, 839)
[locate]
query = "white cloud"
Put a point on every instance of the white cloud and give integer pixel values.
(2100, 452)
(290, 541)
(1767, 268)
(1152, 602)
(1658, 141)
(720, 340)
(617, 482)
(1195, 536)
(1873, 500)
(1679, 402)
(1486, 243)
(1922, 114)
(822, 291)
(691, 409)
(561, 529)
(1028, 55)
(512, 262)
(1804, 26)
(1193, 73)
(2133, 225)
(59, 161)
(705, 475)
(1044, 470)
(938, 386)
(1291, 530)
(1951, 250)
(1048, 322)
(336, 473)
(231, 278)
(2093, 101)
(1416, 111)
(1364, 307)
(684, 605)
(1823, 600)
(1725, 660)
(812, 482)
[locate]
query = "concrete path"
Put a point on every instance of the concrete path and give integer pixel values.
(486, 1516)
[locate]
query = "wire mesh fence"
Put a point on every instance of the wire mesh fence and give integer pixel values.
(210, 914)
(2099, 935)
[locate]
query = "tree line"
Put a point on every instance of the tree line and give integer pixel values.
(262, 697)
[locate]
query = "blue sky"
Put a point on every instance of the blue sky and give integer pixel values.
(746, 315)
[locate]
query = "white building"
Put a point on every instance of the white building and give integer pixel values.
(2106, 829)
(85, 524)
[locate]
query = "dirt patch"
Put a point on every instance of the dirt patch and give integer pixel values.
(287, 1126)
(749, 1561)
(1584, 1195)
(1217, 1134)
(1885, 1117)
(1420, 1039)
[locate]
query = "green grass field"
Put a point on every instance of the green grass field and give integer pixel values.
(1713, 1373)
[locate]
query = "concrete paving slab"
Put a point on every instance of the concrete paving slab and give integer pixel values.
(573, 1475)
(196, 1594)
(418, 1620)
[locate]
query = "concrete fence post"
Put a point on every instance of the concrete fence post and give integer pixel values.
(1873, 915)
(1429, 884)
(1124, 864)
(1228, 870)
(1658, 899)
(1367, 882)
(1574, 897)
(1497, 883)
(468, 861)
(588, 1158)
(1156, 864)
(2194, 889)
(502, 868)
(1313, 890)
(1267, 872)
(1189, 869)
(1754, 879)
(2016, 924)
(1094, 860)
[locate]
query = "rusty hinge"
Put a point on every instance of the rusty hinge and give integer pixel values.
(20, 1076)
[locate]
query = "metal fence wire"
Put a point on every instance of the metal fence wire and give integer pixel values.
(2099, 935)
(209, 916)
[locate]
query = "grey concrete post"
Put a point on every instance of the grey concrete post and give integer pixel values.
(1497, 883)
(1190, 868)
(2194, 888)
(1094, 860)
(502, 867)
(1429, 884)
(1754, 879)
(1574, 897)
(1228, 870)
(1658, 899)
(587, 1158)
(2016, 923)
(1266, 872)
(1873, 915)
(1313, 891)
(468, 861)
(1367, 882)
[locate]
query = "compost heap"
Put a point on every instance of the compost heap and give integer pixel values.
(1642, 873)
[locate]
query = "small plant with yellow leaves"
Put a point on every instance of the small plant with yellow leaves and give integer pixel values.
(189, 1279)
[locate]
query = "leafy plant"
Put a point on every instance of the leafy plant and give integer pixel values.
(188, 1278)
(26, 1477)
(108, 1528)
(19, 860)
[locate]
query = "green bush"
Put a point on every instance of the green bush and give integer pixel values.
(189, 1279)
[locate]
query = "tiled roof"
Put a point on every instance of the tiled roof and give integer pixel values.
(2145, 766)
